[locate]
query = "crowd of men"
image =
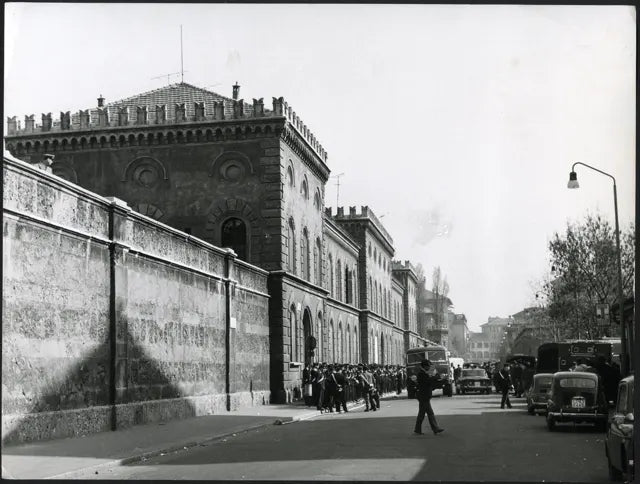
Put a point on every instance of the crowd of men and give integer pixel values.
(330, 387)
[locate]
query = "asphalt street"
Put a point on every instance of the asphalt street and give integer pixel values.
(480, 442)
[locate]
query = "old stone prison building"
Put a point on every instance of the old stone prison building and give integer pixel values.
(119, 305)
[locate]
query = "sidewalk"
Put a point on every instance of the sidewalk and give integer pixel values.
(64, 457)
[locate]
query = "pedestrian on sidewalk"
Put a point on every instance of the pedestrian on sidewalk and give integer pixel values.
(427, 376)
(503, 383)
(307, 388)
(339, 397)
(318, 382)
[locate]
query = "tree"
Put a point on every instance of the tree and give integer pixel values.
(440, 290)
(584, 273)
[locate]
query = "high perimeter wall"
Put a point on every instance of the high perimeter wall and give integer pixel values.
(112, 319)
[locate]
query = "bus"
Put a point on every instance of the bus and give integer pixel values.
(439, 358)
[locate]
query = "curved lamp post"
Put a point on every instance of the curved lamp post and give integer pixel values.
(573, 183)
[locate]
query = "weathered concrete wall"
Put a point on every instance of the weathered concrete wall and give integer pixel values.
(55, 301)
(112, 319)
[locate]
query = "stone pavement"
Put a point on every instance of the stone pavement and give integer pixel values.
(62, 458)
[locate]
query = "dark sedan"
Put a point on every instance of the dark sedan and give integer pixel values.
(473, 380)
(537, 393)
(619, 439)
(577, 397)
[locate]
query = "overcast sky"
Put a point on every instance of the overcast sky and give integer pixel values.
(456, 124)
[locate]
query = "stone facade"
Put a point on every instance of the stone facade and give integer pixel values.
(238, 175)
(111, 318)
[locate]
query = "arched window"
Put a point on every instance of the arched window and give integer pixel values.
(290, 177)
(305, 268)
(331, 276)
(356, 345)
(332, 343)
(291, 247)
(384, 302)
(370, 301)
(339, 280)
(293, 331)
(340, 355)
(318, 335)
(317, 262)
(354, 279)
(234, 235)
(304, 189)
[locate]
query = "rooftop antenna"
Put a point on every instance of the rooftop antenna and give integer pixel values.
(168, 76)
(181, 72)
(338, 189)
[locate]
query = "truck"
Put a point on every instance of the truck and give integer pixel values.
(438, 355)
(553, 357)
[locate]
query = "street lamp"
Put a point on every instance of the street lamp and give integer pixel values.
(573, 183)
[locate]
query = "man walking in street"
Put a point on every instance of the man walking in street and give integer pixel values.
(503, 383)
(427, 376)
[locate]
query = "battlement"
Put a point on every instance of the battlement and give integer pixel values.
(406, 265)
(364, 213)
(281, 108)
(170, 105)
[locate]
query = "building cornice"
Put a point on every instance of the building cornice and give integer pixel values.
(299, 145)
(287, 276)
(342, 236)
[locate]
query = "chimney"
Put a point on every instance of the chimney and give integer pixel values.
(236, 91)
(100, 101)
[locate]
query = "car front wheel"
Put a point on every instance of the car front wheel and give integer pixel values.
(551, 424)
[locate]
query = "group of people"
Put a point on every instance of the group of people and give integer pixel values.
(330, 387)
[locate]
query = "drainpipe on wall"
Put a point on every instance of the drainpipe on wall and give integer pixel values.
(116, 258)
(230, 323)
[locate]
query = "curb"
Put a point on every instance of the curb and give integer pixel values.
(156, 452)
(184, 446)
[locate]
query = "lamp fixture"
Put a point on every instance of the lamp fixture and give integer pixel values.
(573, 180)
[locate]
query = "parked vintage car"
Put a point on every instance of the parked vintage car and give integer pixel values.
(537, 393)
(576, 396)
(473, 380)
(619, 438)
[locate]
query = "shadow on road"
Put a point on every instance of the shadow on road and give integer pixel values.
(504, 446)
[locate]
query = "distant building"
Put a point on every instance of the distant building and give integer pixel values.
(494, 331)
(479, 347)
(434, 316)
(459, 336)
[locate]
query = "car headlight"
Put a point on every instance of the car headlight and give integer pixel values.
(414, 378)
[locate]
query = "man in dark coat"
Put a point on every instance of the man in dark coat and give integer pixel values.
(338, 387)
(317, 380)
(503, 383)
(427, 377)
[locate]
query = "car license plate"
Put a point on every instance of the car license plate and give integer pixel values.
(577, 403)
(477, 383)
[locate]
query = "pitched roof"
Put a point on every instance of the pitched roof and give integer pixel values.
(178, 93)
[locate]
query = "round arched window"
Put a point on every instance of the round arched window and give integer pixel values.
(290, 177)
(234, 236)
